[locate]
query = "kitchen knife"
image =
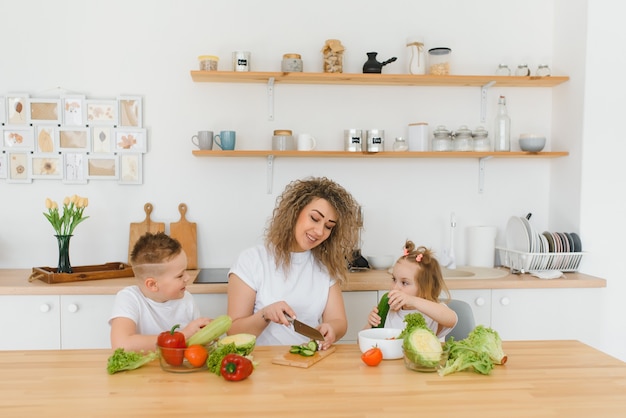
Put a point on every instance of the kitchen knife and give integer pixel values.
(303, 329)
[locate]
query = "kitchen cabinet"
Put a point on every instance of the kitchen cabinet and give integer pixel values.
(358, 306)
(44, 322)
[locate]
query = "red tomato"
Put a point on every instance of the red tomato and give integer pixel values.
(196, 355)
(372, 357)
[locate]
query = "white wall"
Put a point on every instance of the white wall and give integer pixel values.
(104, 49)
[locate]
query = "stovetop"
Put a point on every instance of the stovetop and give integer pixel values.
(212, 275)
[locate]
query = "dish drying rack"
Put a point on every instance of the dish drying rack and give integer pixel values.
(519, 261)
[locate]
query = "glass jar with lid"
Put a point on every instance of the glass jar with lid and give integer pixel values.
(482, 143)
(400, 144)
(442, 140)
(291, 63)
(543, 70)
(522, 70)
(503, 69)
(462, 139)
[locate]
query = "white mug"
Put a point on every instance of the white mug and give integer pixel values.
(306, 142)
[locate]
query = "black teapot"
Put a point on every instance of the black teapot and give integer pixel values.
(373, 66)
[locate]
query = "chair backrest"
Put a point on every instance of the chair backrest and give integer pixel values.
(465, 322)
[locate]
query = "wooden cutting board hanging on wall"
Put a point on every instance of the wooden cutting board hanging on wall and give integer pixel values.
(185, 232)
(137, 229)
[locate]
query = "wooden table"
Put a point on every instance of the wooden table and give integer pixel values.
(540, 379)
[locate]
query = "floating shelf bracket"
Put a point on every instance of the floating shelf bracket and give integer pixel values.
(270, 98)
(483, 101)
(481, 173)
(270, 173)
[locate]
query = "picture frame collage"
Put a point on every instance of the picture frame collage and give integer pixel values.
(72, 138)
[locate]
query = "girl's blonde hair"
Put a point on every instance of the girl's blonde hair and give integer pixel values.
(428, 278)
(336, 250)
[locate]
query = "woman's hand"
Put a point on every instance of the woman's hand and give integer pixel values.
(276, 312)
(329, 336)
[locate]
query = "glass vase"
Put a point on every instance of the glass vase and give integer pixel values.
(64, 265)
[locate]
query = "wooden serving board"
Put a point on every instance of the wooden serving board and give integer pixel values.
(137, 229)
(185, 232)
(296, 360)
(81, 273)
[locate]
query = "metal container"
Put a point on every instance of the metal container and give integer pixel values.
(375, 140)
(353, 140)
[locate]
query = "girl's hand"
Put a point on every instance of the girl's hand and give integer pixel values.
(398, 300)
(374, 319)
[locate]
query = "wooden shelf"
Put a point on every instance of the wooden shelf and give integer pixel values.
(376, 79)
(386, 154)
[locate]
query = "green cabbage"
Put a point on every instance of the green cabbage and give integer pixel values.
(244, 343)
(488, 341)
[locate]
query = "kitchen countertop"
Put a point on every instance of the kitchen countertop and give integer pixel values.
(15, 282)
(540, 379)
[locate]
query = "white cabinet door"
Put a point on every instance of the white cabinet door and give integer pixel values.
(358, 306)
(30, 322)
(85, 321)
(547, 314)
(479, 300)
(211, 305)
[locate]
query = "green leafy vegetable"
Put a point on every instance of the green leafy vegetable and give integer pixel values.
(214, 362)
(487, 340)
(413, 320)
(244, 343)
(479, 352)
(122, 360)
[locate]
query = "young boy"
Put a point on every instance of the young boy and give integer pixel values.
(159, 300)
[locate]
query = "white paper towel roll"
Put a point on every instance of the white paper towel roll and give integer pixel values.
(481, 245)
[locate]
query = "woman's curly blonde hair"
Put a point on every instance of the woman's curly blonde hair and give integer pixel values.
(429, 279)
(336, 250)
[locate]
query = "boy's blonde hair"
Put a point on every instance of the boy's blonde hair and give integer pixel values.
(428, 278)
(152, 250)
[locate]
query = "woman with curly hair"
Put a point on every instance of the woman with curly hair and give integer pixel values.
(300, 268)
(417, 286)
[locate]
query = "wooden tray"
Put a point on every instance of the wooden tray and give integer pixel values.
(113, 270)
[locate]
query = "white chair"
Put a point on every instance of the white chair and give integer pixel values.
(465, 322)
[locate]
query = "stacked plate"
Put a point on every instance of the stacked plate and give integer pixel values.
(541, 251)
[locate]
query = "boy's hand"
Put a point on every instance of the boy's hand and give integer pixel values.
(195, 326)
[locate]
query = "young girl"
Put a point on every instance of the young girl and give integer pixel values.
(417, 285)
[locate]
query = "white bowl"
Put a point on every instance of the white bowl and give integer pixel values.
(384, 338)
(380, 262)
(532, 142)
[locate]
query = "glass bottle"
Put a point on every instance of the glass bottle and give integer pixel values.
(400, 144)
(543, 70)
(503, 69)
(522, 70)
(502, 128)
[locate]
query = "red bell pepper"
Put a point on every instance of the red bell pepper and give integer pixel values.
(167, 340)
(236, 367)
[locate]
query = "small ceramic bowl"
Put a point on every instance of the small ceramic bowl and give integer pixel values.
(532, 142)
(384, 338)
(427, 362)
(380, 262)
(173, 360)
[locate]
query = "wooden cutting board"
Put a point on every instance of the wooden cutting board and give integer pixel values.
(296, 360)
(137, 229)
(185, 232)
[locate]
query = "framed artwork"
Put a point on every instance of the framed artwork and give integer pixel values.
(19, 171)
(74, 110)
(101, 112)
(45, 138)
(45, 111)
(74, 139)
(130, 140)
(131, 168)
(17, 109)
(3, 110)
(130, 111)
(18, 138)
(102, 167)
(46, 166)
(3, 165)
(101, 139)
(75, 168)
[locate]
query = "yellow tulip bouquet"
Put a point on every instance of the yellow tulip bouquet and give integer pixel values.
(73, 208)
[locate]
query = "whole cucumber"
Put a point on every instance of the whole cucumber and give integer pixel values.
(383, 309)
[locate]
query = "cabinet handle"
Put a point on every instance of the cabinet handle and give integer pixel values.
(505, 301)
(480, 301)
(44, 308)
(72, 307)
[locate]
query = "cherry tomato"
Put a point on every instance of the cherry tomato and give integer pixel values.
(372, 357)
(196, 355)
